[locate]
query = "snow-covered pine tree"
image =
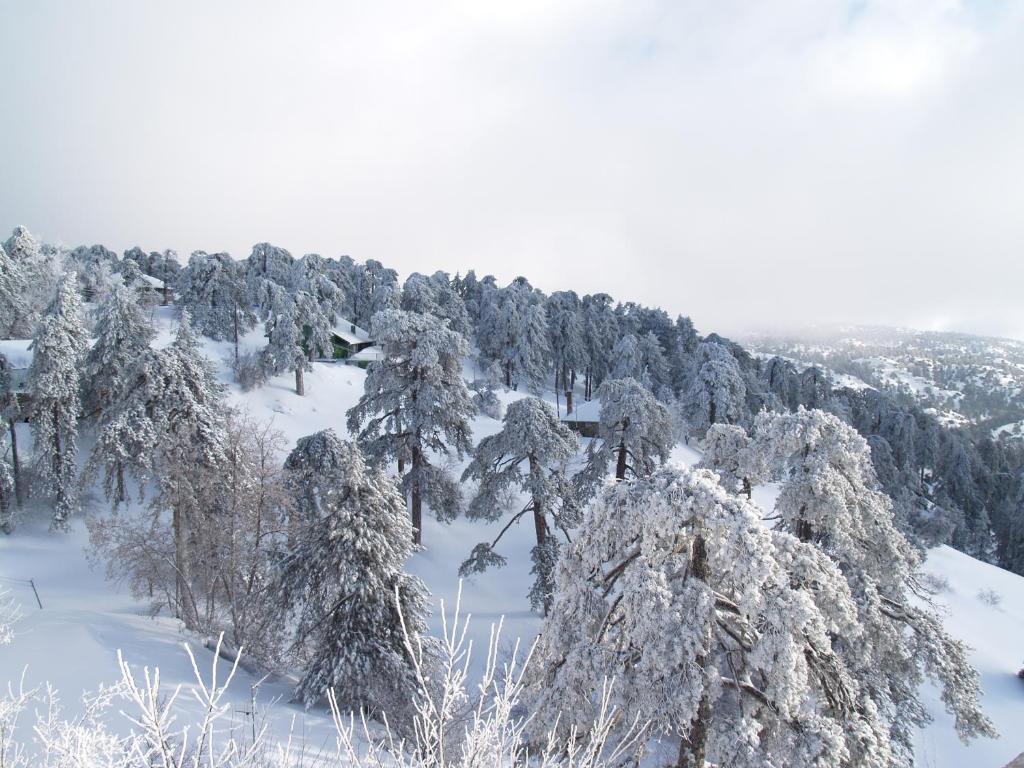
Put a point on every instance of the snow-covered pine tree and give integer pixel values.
(58, 348)
(271, 263)
(10, 413)
(15, 317)
(529, 455)
(374, 288)
(315, 321)
(717, 392)
(626, 361)
(416, 404)
(634, 431)
(41, 267)
(513, 332)
(435, 296)
(654, 371)
(565, 337)
(313, 275)
(829, 497)
(170, 427)
(726, 452)
(212, 287)
(600, 332)
(8, 502)
(700, 615)
(344, 579)
(284, 350)
(123, 333)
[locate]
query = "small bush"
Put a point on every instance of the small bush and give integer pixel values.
(935, 584)
(990, 597)
(249, 371)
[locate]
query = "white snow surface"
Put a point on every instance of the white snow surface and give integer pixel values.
(73, 641)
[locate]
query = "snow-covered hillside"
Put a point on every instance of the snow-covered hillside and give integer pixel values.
(72, 642)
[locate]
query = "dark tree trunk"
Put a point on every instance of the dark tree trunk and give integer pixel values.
(122, 497)
(416, 500)
(568, 402)
(236, 336)
(539, 523)
(19, 491)
(620, 464)
(508, 375)
(693, 745)
(300, 386)
(746, 487)
(712, 412)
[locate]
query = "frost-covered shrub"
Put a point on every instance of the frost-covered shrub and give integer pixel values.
(457, 723)
(936, 584)
(249, 371)
(990, 597)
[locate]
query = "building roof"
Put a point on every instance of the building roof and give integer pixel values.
(584, 410)
(350, 333)
(17, 352)
(367, 355)
(152, 281)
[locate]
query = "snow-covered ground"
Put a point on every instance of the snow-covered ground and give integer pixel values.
(72, 642)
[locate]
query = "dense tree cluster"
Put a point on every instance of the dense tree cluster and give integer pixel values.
(800, 642)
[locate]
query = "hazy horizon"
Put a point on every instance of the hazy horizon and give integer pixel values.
(755, 167)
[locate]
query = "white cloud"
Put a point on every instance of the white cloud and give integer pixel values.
(747, 163)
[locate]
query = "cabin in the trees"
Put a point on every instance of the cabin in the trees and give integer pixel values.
(349, 339)
(583, 418)
(152, 290)
(15, 360)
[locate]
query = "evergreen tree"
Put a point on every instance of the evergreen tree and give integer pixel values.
(123, 334)
(41, 268)
(634, 431)
(513, 332)
(600, 331)
(436, 296)
(700, 615)
(829, 498)
(717, 392)
(8, 502)
(344, 579)
(529, 454)
(213, 289)
(170, 427)
(726, 451)
(59, 346)
(416, 404)
(374, 289)
(15, 317)
(10, 413)
(565, 337)
(283, 320)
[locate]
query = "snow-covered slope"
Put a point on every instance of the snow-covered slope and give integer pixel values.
(72, 641)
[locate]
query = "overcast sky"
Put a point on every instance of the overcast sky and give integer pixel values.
(752, 164)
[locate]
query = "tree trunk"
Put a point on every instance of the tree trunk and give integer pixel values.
(236, 336)
(19, 491)
(620, 465)
(539, 523)
(712, 412)
(746, 487)
(568, 402)
(122, 497)
(693, 746)
(508, 375)
(417, 499)
(300, 387)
